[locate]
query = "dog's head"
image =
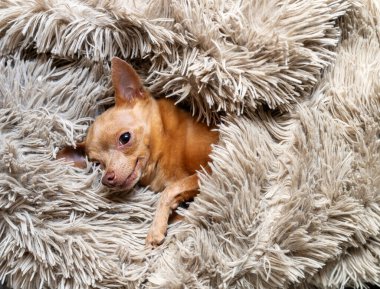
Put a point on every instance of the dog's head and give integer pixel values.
(119, 138)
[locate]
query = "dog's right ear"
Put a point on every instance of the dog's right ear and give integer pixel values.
(126, 82)
(75, 155)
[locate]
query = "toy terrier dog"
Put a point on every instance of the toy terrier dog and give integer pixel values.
(147, 141)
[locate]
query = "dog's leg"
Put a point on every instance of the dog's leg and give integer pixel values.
(171, 197)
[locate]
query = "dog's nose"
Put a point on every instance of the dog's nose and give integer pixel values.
(109, 179)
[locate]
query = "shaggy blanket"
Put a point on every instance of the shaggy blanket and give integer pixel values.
(293, 199)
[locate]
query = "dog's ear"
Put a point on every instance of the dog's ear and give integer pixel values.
(126, 82)
(75, 155)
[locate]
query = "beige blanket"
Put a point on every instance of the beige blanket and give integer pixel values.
(293, 200)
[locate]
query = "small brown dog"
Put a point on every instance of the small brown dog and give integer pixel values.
(146, 141)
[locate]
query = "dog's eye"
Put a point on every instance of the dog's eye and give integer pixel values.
(124, 138)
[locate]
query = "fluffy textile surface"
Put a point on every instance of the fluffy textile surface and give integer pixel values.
(293, 199)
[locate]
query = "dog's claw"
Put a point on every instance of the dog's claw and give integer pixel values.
(154, 238)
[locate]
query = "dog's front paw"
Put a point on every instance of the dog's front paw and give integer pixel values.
(155, 236)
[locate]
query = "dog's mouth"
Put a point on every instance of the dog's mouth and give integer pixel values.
(133, 177)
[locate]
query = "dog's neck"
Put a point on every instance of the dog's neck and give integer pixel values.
(163, 121)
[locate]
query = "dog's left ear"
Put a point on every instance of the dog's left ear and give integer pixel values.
(75, 155)
(126, 82)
